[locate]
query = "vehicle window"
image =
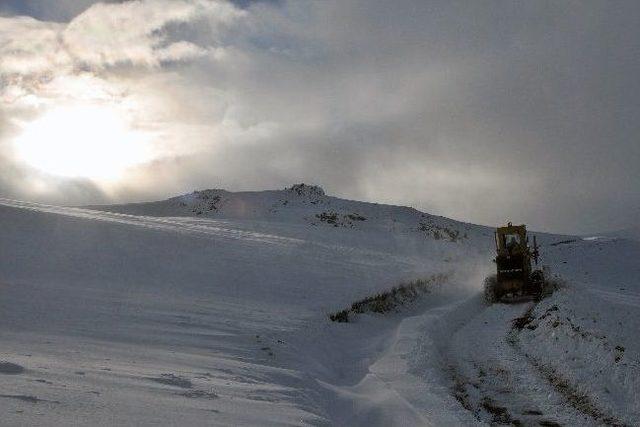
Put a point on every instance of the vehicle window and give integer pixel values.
(511, 240)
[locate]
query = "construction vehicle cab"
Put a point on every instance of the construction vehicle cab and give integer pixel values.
(514, 277)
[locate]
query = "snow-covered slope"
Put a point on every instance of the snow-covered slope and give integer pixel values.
(632, 233)
(300, 204)
(211, 309)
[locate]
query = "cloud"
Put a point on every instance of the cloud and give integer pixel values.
(29, 46)
(135, 32)
(105, 35)
(481, 112)
(94, 60)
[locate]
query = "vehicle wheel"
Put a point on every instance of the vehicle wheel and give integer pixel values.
(490, 295)
(537, 282)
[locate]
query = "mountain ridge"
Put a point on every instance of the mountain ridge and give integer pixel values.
(300, 203)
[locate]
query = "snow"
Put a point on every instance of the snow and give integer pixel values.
(632, 233)
(212, 309)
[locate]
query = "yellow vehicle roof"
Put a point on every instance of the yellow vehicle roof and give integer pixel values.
(512, 229)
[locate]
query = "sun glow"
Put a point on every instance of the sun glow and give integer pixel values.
(92, 142)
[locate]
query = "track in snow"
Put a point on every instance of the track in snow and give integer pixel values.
(500, 384)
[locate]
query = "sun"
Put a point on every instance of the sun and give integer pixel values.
(92, 142)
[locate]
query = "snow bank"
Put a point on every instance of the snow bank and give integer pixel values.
(591, 346)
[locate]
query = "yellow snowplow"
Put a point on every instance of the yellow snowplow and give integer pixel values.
(515, 279)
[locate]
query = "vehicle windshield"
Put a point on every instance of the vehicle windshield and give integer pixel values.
(510, 240)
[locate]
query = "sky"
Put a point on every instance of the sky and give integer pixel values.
(483, 111)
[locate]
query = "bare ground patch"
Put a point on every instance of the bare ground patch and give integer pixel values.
(391, 300)
(8, 368)
(172, 380)
(27, 398)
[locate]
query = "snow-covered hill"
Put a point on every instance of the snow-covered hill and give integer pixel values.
(212, 309)
(300, 204)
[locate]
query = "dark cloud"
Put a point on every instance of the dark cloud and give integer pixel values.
(481, 111)
(538, 99)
